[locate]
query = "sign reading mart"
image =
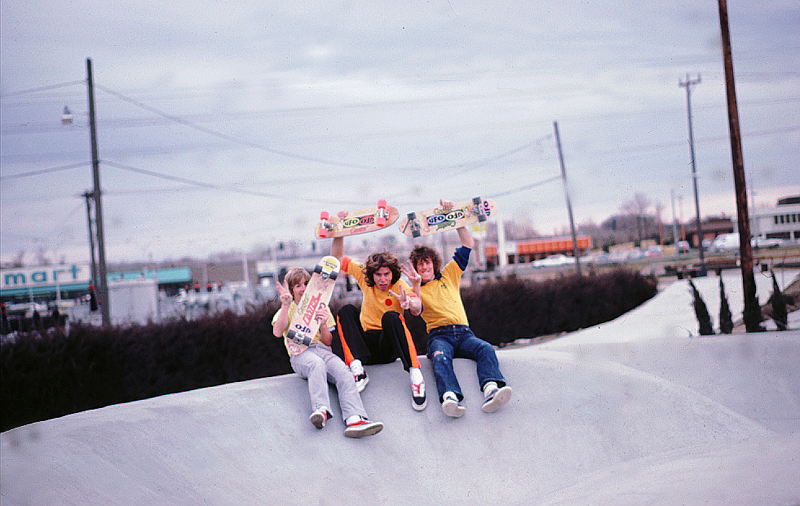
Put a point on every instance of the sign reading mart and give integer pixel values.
(47, 276)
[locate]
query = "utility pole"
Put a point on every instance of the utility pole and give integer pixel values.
(688, 85)
(89, 197)
(674, 220)
(575, 251)
(752, 311)
(98, 207)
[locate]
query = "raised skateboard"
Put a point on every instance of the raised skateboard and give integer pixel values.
(438, 219)
(358, 222)
(319, 289)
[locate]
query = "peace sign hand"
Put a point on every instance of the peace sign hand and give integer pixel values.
(284, 293)
(402, 297)
(411, 273)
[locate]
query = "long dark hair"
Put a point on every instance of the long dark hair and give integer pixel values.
(421, 253)
(378, 260)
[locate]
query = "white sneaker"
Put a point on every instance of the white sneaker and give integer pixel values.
(452, 406)
(495, 397)
(319, 417)
(418, 398)
(359, 374)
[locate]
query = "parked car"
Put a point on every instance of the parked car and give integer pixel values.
(682, 247)
(635, 254)
(654, 251)
(553, 261)
(762, 241)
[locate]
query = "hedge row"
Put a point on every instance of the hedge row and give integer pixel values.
(54, 374)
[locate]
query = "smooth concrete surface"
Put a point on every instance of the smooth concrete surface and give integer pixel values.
(640, 410)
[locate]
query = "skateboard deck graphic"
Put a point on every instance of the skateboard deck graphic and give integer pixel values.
(319, 289)
(438, 219)
(358, 222)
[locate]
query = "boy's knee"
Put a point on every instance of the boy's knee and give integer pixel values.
(349, 310)
(437, 356)
(389, 317)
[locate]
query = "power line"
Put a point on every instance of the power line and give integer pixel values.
(230, 138)
(44, 171)
(42, 88)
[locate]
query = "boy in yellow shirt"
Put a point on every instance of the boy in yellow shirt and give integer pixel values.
(449, 335)
(377, 334)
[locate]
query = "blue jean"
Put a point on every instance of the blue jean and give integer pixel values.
(457, 341)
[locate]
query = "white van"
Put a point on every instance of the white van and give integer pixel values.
(725, 242)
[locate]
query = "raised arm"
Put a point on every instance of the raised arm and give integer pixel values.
(463, 234)
(337, 248)
(466, 238)
(283, 314)
(337, 245)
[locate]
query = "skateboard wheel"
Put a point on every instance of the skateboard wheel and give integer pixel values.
(333, 275)
(382, 204)
(380, 221)
(324, 216)
(322, 232)
(481, 214)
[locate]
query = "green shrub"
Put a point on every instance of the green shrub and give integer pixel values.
(506, 310)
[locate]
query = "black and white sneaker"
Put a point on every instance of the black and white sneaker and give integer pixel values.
(452, 406)
(495, 397)
(359, 374)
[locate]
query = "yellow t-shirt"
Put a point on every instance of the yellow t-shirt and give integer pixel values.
(441, 299)
(292, 309)
(375, 302)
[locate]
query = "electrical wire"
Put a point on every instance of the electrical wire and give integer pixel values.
(44, 171)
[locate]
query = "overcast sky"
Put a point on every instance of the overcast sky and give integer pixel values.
(231, 125)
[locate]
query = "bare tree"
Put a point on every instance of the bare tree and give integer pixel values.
(637, 207)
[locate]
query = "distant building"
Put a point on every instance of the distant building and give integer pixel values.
(51, 282)
(712, 227)
(779, 222)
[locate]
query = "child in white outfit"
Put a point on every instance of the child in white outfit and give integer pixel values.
(319, 365)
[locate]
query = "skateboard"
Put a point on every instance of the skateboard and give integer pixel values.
(359, 222)
(438, 219)
(319, 289)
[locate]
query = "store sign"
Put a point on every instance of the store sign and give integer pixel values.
(49, 275)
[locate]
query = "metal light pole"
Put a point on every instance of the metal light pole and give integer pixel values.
(98, 207)
(575, 251)
(688, 85)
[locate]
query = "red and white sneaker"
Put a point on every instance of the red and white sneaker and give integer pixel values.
(358, 426)
(418, 398)
(319, 417)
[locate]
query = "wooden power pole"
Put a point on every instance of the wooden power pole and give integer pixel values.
(752, 311)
